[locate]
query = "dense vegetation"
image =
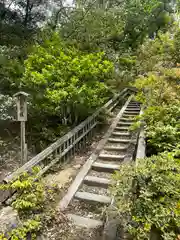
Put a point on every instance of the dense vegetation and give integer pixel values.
(67, 54)
(72, 58)
(33, 198)
(147, 194)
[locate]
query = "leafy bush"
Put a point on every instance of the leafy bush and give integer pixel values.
(12, 68)
(162, 126)
(29, 201)
(65, 82)
(147, 196)
(30, 227)
(159, 92)
(30, 192)
(155, 54)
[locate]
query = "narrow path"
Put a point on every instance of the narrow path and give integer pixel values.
(88, 195)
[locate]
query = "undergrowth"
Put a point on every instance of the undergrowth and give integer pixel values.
(147, 197)
(33, 203)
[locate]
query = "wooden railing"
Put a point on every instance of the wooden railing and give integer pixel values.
(65, 147)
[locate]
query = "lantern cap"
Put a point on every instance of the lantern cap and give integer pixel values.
(21, 94)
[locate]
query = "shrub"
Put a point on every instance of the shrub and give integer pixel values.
(160, 96)
(147, 196)
(65, 82)
(29, 228)
(30, 192)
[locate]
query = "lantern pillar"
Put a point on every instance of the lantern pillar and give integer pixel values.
(21, 102)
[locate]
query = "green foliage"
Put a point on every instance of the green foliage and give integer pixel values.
(152, 55)
(177, 46)
(90, 24)
(65, 82)
(160, 95)
(30, 197)
(35, 204)
(159, 92)
(30, 191)
(30, 227)
(162, 118)
(91, 28)
(163, 126)
(147, 196)
(11, 66)
(67, 77)
(145, 18)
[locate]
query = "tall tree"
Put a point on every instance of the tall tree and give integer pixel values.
(19, 19)
(118, 22)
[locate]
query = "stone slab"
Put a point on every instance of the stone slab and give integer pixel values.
(105, 167)
(117, 140)
(91, 197)
(84, 222)
(111, 157)
(97, 181)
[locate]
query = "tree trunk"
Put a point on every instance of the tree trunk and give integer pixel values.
(26, 13)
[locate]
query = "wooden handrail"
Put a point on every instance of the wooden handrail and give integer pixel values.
(65, 144)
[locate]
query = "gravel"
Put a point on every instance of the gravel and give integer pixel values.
(114, 152)
(110, 144)
(100, 174)
(93, 210)
(94, 189)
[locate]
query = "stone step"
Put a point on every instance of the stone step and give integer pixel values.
(105, 167)
(118, 140)
(131, 113)
(91, 197)
(122, 128)
(124, 124)
(123, 119)
(121, 134)
(132, 109)
(113, 148)
(84, 222)
(133, 101)
(130, 117)
(134, 112)
(134, 105)
(110, 157)
(96, 181)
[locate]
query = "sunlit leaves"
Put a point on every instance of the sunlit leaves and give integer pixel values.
(147, 196)
(66, 79)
